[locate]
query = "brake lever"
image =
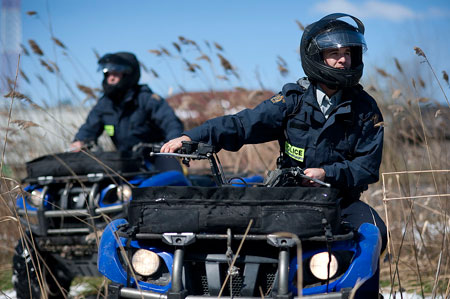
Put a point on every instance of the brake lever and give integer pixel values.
(185, 158)
(302, 174)
(189, 156)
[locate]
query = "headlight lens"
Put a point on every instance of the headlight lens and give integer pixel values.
(115, 194)
(145, 262)
(124, 192)
(36, 197)
(319, 263)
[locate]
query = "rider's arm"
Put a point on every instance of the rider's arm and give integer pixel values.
(250, 126)
(364, 167)
(93, 127)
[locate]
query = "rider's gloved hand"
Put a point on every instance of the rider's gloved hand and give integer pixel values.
(174, 145)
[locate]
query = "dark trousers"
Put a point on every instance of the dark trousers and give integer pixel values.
(357, 213)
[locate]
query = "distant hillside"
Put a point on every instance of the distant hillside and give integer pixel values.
(196, 107)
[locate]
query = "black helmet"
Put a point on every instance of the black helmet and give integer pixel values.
(125, 63)
(327, 33)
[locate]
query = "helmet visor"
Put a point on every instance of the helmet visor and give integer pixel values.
(114, 67)
(339, 39)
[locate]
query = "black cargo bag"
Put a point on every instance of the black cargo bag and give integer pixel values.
(81, 163)
(298, 210)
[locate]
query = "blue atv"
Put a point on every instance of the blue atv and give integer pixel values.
(68, 200)
(237, 239)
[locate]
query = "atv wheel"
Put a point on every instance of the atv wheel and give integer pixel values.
(26, 281)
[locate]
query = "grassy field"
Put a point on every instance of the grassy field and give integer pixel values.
(411, 196)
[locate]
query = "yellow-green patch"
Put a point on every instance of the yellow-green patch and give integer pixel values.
(109, 130)
(294, 152)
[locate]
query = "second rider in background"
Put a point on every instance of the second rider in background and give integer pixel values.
(129, 113)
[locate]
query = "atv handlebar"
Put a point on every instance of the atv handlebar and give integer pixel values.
(191, 150)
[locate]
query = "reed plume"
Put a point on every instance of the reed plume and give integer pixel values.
(445, 76)
(47, 66)
(300, 25)
(88, 91)
(156, 52)
(177, 46)
(24, 124)
(218, 46)
(59, 43)
(35, 48)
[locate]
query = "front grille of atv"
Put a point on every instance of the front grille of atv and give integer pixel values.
(236, 283)
(268, 282)
(198, 282)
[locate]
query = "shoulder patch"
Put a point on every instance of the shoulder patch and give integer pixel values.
(278, 98)
(155, 96)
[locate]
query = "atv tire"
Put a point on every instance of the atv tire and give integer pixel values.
(26, 281)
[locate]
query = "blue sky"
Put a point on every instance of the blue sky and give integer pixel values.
(253, 33)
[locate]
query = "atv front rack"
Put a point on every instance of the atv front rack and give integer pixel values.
(91, 177)
(208, 236)
(180, 240)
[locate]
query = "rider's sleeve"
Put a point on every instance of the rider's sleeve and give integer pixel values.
(363, 168)
(250, 126)
(164, 117)
(93, 127)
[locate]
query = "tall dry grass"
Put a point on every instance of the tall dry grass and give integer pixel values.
(411, 196)
(413, 192)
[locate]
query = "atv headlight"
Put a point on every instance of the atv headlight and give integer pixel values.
(36, 197)
(145, 262)
(124, 193)
(319, 263)
(113, 194)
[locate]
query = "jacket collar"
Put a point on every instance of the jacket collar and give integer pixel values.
(344, 107)
(127, 99)
(129, 95)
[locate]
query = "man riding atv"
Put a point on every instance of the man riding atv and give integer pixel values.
(129, 113)
(70, 196)
(325, 124)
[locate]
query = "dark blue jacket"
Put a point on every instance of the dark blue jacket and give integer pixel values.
(141, 116)
(348, 145)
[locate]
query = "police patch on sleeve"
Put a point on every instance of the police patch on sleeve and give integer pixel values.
(155, 96)
(294, 152)
(277, 98)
